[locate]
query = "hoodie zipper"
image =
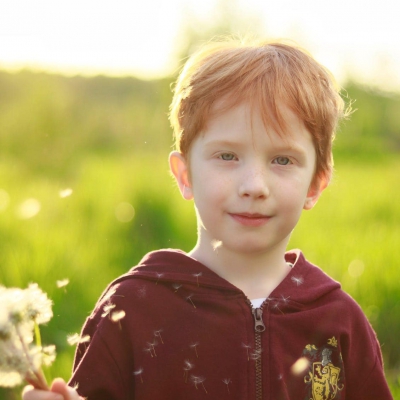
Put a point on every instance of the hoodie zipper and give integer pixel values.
(259, 327)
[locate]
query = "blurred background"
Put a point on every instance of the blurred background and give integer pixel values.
(85, 191)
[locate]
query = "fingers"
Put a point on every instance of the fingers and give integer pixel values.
(29, 393)
(59, 391)
(60, 387)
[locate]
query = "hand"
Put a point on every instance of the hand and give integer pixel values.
(59, 391)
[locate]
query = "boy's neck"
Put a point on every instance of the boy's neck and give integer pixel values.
(257, 275)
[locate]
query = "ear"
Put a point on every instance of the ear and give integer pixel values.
(179, 168)
(318, 185)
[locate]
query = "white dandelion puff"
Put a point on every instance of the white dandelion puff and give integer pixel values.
(21, 313)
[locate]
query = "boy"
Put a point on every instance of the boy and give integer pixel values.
(237, 317)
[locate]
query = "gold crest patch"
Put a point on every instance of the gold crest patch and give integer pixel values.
(323, 377)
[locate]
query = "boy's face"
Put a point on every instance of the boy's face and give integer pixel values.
(249, 185)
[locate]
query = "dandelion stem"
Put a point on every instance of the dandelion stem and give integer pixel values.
(33, 376)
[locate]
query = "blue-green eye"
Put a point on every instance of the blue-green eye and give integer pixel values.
(227, 156)
(282, 160)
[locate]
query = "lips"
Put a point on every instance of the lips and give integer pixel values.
(250, 219)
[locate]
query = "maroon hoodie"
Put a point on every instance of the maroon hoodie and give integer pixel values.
(173, 329)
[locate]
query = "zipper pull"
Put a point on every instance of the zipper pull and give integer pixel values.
(258, 321)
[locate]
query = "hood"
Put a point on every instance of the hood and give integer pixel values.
(305, 284)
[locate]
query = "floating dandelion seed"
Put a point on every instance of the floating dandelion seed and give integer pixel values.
(197, 277)
(285, 299)
(107, 309)
(62, 283)
(158, 277)
(139, 373)
(148, 350)
(65, 193)
(152, 346)
(189, 298)
(158, 334)
(194, 347)
(300, 366)
(109, 294)
(20, 314)
(176, 287)
(247, 347)
(198, 380)
(76, 339)
(216, 244)
(227, 381)
(297, 280)
(116, 316)
(186, 368)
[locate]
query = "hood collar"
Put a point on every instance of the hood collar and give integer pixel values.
(304, 284)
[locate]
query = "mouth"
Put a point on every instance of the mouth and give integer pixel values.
(250, 219)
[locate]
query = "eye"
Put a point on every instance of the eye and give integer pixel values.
(227, 156)
(282, 161)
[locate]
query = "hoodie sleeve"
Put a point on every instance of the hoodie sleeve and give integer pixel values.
(362, 358)
(103, 367)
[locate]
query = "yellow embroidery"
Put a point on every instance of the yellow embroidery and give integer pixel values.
(310, 347)
(332, 341)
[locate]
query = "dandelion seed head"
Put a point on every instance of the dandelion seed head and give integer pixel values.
(198, 275)
(300, 366)
(20, 310)
(117, 315)
(62, 283)
(227, 381)
(138, 371)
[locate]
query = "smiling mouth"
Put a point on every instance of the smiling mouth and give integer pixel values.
(249, 219)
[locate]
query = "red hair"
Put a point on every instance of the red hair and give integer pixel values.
(266, 75)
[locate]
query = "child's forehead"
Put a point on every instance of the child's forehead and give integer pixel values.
(274, 117)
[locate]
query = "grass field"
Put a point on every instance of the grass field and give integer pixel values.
(107, 139)
(353, 233)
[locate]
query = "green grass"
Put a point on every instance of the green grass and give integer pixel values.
(80, 238)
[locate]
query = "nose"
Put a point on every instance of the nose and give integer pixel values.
(254, 184)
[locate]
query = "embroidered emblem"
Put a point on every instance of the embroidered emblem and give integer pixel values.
(332, 341)
(324, 374)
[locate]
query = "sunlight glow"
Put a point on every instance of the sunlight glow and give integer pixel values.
(143, 39)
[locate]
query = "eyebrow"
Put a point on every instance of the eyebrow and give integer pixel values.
(287, 146)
